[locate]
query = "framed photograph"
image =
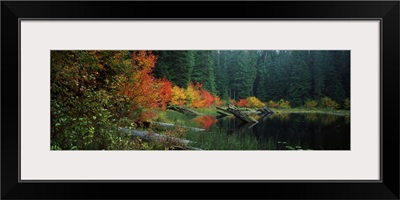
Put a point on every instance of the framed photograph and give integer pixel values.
(118, 98)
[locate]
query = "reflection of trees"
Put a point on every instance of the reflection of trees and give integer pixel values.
(255, 116)
(205, 121)
(311, 117)
(281, 116)
(347, 119)
(327, 120)
(310, 131)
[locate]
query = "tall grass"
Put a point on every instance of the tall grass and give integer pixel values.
(218, 139)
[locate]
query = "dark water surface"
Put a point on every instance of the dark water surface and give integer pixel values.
(294, 131)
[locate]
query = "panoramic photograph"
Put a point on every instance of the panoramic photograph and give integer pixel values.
(289, 100)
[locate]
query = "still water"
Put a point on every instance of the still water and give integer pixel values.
(291, 131)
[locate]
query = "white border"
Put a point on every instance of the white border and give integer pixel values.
(39, 163)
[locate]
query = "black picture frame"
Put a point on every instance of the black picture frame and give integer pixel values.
(386, 11)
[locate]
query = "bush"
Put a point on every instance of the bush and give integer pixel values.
(311, 104)
(329, 103)
(272, 104)
(284, 103)
(233, 102)
(347, 104)
(242, 103)
(218, 101)
(254, 102)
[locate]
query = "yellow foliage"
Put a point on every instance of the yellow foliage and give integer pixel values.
(254, 102)
(193, 97)
(178, 96)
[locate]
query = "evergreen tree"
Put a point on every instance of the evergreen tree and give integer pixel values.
(203, 71)
(260, 82)
(334, 87)
(176, 66)
(299, 79)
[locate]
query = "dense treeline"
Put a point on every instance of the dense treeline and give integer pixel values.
(268, 75)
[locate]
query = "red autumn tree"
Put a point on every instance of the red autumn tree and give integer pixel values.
(200, 98)
(242, 103)
(145, 92)
(163, 89)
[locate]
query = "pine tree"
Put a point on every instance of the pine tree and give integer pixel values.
(299, 78)
(203, 71)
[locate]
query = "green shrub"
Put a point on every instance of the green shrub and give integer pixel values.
(284, 104)
(329, 103)
(311, 104)
(272, 104)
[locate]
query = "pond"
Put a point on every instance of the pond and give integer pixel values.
(289, 131)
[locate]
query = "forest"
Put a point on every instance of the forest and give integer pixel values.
(159, 100)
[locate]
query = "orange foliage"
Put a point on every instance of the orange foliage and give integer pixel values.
(197, 97)
(145, 92)
(164, 92)
(205, 121)
(233, 102)
(218, 101)
(207, 99)
(242, 103)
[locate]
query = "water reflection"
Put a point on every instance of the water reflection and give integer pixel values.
(281, 116)
(297, 131)
(205, 121)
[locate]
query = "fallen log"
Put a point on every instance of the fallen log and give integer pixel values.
(184, 110)
(171, 126)
(265, 110)
(223, 111)
(241, 114)
(153, 136)
(249, 112)
(194, 148)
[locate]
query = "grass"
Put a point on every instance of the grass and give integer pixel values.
(218, 139)
(307, 110)
(207, 111)
(173, 117)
